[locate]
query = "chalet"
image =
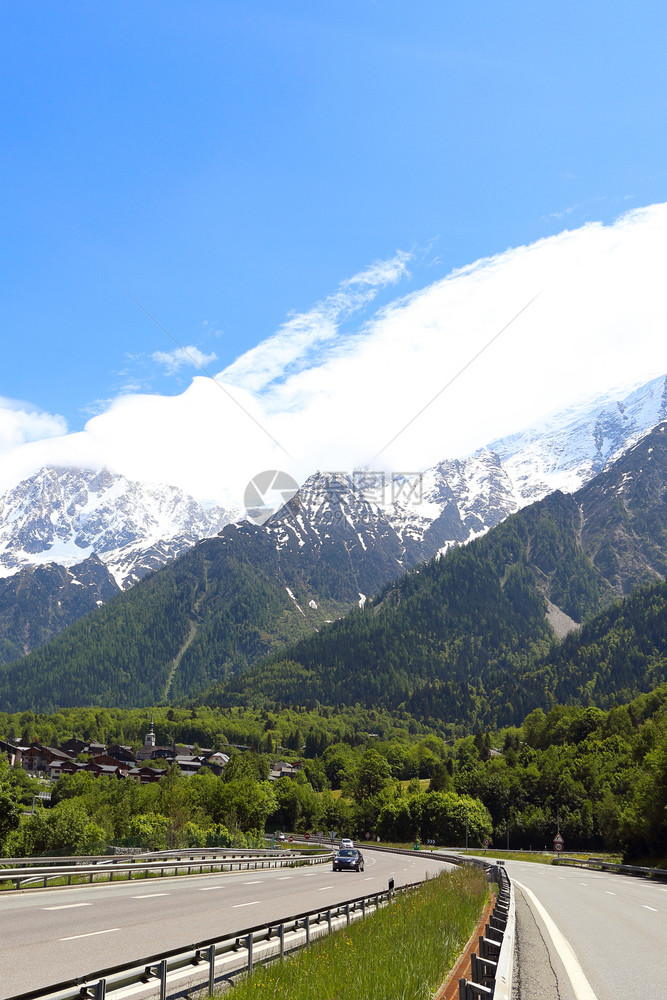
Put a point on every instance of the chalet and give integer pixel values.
(114, 770)
(39, 758)
(120, 752)
(14, 752)
(282, 769)
(60, 767)
(145, 775)
(73, 747)
(106, 760)
(188, 765)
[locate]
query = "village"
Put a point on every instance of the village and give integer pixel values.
(145, 764)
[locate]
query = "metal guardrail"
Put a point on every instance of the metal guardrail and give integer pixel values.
(599, 864)
(184, 863)
(140, 855)
(224, 956)
(491, 965)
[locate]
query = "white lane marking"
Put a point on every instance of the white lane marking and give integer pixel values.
(75, 937)
(649, 907)
(583, 883)
(308, 874)
(580, 985)
(369, 878)
(151, 895)
(207, 888)
(257, 882)
(323, 887)
(237, 906)
(284, 878)
(66, 906)
(610, 893)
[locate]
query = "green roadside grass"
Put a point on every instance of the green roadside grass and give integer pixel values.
(538, 857)
(405, 950)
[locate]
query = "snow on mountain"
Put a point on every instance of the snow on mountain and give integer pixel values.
(64, 516)
(458, 499)
(450, 503)
(570, 448)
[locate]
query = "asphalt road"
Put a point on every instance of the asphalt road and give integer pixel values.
(615, 925)
(52, 935)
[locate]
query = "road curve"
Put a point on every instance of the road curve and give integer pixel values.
(56, 934)
(615, 926)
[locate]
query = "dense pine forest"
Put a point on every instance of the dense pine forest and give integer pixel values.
(454, 647)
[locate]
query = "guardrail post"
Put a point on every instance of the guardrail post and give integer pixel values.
(281, 937)
(211, 967)
(101, 990)
(306, 924)
(347, 913)
(249, 947)
(162, 975)
(363, 908)
(329, 920)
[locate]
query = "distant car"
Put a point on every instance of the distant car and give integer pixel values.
(280, 836)
(346, 842)
(348, 859)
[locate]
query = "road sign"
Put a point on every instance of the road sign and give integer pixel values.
(559, 843)
(487, 842)
(307, 836)
(291, 840)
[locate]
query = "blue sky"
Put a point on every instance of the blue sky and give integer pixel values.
(232, 165)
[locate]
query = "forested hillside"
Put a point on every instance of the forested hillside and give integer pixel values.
(39, 602)
(466, 638)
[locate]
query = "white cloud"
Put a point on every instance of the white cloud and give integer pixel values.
(21, 422)
(334, 401)
(299, 342)
(183, 357)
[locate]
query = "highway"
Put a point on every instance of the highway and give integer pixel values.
(581, 935)
(56, 934)
(616, 926)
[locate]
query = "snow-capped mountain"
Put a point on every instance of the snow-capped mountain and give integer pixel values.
(452, 502)
(571, 447)
(339, 540)
(64, 516)
(459, 499)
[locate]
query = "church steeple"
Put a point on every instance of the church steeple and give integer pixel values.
(149, 738)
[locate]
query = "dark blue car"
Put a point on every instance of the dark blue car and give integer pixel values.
(348, 859)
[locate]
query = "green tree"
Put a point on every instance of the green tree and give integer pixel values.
(370, 777)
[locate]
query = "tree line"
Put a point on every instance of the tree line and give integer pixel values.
(600, 776)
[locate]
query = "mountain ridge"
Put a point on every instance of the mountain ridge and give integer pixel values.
(337, 543)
